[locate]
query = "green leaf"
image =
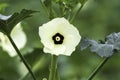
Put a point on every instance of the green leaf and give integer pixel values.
(103, 50)
(47, 2)
(7, 24)
(82, 1)
(106, 49)
(114, 39)
(70, 3)
(2, 7)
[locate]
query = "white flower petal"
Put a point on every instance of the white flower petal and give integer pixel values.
(47, 40)
(6, 45)
(19, 38)
(56, 51)
(71, 42)
(70, 34)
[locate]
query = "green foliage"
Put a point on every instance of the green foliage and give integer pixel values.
(114, 39)
(97, 19)
(47, 3)
(70, 3)
(103, 49)
(8, 68)
(6, 25)
(3, 6)
(82, 1)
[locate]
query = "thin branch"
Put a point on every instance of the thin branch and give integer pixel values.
(98, 69)
(21, 57)
(46, 10)
(76, 14)
(50, 10)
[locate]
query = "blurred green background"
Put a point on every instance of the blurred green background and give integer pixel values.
(97, 19)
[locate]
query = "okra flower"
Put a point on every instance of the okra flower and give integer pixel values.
(19, 38)
(59, 37)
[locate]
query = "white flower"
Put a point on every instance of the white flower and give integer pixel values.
(59, 37)
(18, 37)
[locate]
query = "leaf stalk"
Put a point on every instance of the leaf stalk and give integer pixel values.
(98, 68)
(53, 68)
(21, 57)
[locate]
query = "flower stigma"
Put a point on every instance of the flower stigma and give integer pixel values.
(58, 38)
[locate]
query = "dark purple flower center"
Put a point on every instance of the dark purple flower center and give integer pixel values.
(58, 38)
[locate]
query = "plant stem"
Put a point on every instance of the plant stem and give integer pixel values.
(75, 15)
(98, 69)
(57, 76)
(43, 5)
(50, 10)
(21, 57)
(53, 67)
(61, 9)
